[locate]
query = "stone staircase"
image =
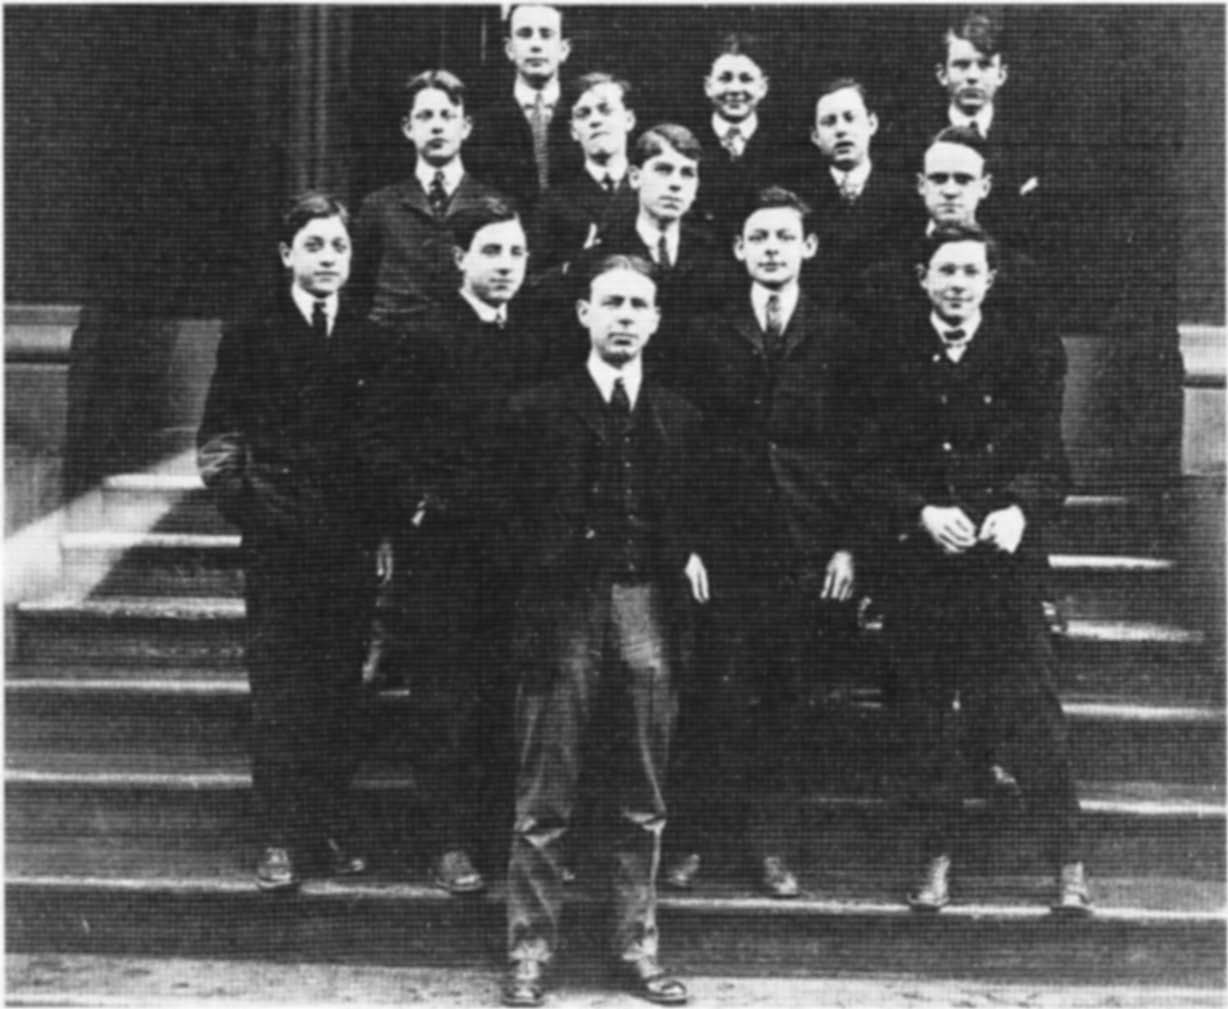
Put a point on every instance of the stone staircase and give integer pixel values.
(127, 825)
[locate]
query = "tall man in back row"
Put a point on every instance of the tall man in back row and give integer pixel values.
(603, 508)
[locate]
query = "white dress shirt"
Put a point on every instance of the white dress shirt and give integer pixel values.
(955, 351)
(983, 119)
(605, 375)
(453, 172)
(486, 313)
(526, 97)
(306, 303)
(615, 168)
(857, 177)
(745, 129)
(788, 302)
(651, 236)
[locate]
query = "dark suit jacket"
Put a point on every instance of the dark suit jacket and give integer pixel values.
(551, 451)
(402, 253)
(982, 434)
(854, 236)
(279, 441)
(780, 428)
(567, 212)
(500, 150)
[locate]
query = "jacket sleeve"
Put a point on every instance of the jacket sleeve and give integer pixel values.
(1042, 479)
(222, 439)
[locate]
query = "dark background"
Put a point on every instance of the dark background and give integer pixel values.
(148, 148)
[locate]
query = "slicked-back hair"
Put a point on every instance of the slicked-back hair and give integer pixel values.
(656, 139)
(841, 84)
(620, 261)
(468, 221)
(577, 86)
(309, 206)
(945, 234)
(438, 80)
(777, 197)
(739, 44)
(965, 136)
(980, 29)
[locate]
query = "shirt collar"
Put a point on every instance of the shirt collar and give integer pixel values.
(858, 176)
(526, 96)
(306, 304)
(788, 302)
(747, 127)
(615, 168)
(632, 374)
(969, 326)
(453, 172)
(487, 313)
(650, 234)
(983, 119)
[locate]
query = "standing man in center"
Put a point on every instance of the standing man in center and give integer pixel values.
(522, 141)
(603, 515)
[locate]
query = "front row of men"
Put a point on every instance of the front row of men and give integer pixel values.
(568, 533)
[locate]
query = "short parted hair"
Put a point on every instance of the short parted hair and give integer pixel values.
(979, 28)
(438, 80)
(776, 197)
(620, 261)
(945, 234)
(308, 206)
(965, 136)
(471, 219)
(739, 44)
(653, 141)
(511, 13)
(840, 84)
(577, 86)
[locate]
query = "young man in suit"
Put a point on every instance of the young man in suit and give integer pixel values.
(522, 144)
(772, 377)
(746, 151)
(861, 209)
(574, 215)
(402, 234)
(971, 468)
(603, 508)
(278, 448)
(435, 411)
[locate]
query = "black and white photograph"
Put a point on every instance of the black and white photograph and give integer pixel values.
(589, 505)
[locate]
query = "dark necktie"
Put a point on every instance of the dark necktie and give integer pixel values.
(620, 402)
(319, 321)
(773, 320)
(438, 196)
(539, 122)
(732, 142)
(663, 253)
(607, 183)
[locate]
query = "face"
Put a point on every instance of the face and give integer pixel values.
(953, 183)
(600, 122)
(319, 257)
(667, 183)
(620, 315)
(773, 245)
(970, 77)
(535, 43)
(957, 279)
(436, 126)
(843, 128)
(735, 86)
(492, 268)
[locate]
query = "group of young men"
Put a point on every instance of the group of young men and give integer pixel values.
(619, 415)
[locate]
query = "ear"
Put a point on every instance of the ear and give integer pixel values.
(810, 247)
(921, 270)
(466, 128)
(814, 135)
(872, 119)
(633, 176)
(990, 277)
(571, 128)
(630, 121)
(284, 251)
(921, 183)
(709, 86)
(507, 49)
(652, 326)
(767, 85)
(1002, 73)
(564, 50)
(458, 257)
(405, 128)
(582, 312)
(986, 185)
(940, 71)
(739, 249)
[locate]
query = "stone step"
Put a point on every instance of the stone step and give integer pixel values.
(191, 900)
(153, 563)
(1130, 827)
(179, 502)
(207, 719)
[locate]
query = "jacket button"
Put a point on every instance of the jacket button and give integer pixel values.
(946, 446)
(943, 399)
(989, 448)
(936, 358)
(590, 534)
(988, 398)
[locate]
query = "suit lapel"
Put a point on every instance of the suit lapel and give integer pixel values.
(748, 326)
(585, 402)
(800, 325)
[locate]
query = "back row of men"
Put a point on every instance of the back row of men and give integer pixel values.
(646, 434)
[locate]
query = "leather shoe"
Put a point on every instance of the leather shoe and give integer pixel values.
(342, 862)
(648, 979)
(525, 983)
(681, 874)
(455, 873)
(1074, 899)
(778, 879)
(275, 870)
(934, 893)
